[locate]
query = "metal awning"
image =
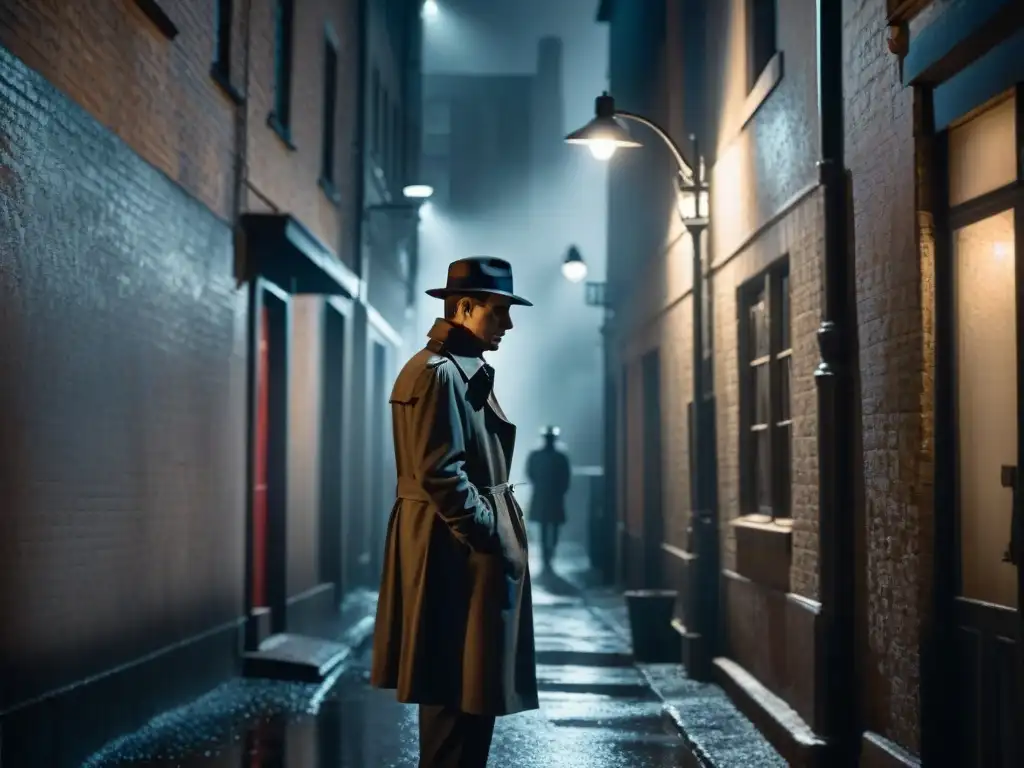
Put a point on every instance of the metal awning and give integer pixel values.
(277, 247)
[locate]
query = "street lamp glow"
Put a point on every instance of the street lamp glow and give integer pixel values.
(418, 191)
(430, 8)
(574, 268)
(604, 134)
(602, 149)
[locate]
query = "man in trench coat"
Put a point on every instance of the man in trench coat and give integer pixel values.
(454, 626)
(550, 474)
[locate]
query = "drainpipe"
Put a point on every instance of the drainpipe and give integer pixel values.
(836, 709)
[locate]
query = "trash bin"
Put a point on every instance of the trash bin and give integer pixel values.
(655, 641)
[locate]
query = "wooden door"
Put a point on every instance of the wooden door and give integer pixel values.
(986, 223)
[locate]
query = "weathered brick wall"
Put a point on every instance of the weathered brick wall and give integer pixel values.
(798, 235)
(760, 170)
(155, 93)
(122, 394)
(894, 296)
(289, 176)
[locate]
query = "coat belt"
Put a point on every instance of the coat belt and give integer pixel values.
(410, 489)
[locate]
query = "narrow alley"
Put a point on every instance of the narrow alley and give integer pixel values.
(597, 709)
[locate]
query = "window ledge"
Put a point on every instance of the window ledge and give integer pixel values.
(282, 131)
(330, 191)
(767, 81)
(763, 523)
(220, 77)
(764, 550)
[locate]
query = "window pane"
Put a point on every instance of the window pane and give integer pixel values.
(985, 302)
(783, 316)
(784, 404)
(982, 154)
(783, 471)
(762, 393)
(763, 469)
(758, 328)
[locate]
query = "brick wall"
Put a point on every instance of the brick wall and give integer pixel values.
(123, 394)
(894, 294)
(798, 235)
(155, 93)
(288, 176)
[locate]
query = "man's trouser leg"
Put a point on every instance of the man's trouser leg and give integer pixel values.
(547, 551)
(453, 739)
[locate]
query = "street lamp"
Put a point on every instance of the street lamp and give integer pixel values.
(574, 268)
(418, 191)
(604, 136)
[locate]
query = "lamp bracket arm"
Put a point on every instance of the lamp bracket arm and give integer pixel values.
(686, 169)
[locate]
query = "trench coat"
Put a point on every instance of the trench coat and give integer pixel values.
(549, 472)
(454, 624)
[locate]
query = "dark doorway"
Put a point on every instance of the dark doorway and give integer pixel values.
(980, 296)
(378, 443)
(267, 560)
(654, 526)
(331, 452)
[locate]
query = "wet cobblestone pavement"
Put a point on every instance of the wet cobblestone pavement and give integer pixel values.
(596, 710)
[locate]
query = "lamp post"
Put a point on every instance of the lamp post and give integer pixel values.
(604, 136)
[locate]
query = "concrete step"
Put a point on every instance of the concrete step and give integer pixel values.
(296, 658)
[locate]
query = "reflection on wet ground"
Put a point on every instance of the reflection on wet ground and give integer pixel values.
(594, 712)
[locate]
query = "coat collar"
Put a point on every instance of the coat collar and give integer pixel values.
(461, 346)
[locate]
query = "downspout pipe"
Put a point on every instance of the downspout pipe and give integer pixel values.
(836, 692)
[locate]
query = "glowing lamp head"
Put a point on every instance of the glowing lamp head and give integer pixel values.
(574, 268)
(603, 135)
(418, 191)
(430, 8)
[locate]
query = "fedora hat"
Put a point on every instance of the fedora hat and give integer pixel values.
(479, 274)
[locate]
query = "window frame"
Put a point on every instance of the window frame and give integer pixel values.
(769, 287)
(284, 49)
(329, 123)
(223, 18)
(375, 121)
(762, 18)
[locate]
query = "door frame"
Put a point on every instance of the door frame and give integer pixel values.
(377, 504)
(331, 535)
(265, 295)
(940, 688)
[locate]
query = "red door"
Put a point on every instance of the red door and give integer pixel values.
(259, 498)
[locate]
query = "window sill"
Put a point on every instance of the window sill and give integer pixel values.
(220, 77)
(764, 550)
(329, 190)
(281, 130)
(767, 81)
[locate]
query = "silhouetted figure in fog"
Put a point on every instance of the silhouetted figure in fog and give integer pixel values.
(454, 629)
(549, 472)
